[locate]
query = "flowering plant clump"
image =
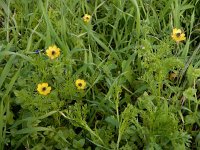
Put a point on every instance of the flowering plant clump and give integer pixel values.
(178, 35)
(53, 52)
(86, 18)
(80, 84)
(43, 88)
(100, 75)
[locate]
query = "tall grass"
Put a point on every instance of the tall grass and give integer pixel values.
(142, 87)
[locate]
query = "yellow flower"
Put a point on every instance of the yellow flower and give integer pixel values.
(43, 88)
(80, 84)
(173, 75)
(178, 35)
(53, 52)
(86, 18)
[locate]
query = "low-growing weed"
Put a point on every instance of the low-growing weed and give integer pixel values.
(104, 74)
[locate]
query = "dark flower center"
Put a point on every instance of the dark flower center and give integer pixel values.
(80, 84)
(44, 89)
(53, 52)
(178, 34)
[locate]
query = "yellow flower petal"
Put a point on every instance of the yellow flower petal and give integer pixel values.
(80, 84)
(86, 18)
(43, 88)
(53, 52)
(39, 86)
(178, 35)
(45, 84)
(178, 31)
(48, 90)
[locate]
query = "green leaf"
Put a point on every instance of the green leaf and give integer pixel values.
(197, 140)
(32, 130)
(6, 70)
(112, 121)
(78, 143)
(190, 94)
(190, 119)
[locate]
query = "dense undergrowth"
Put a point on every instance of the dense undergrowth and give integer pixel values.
(99, 74)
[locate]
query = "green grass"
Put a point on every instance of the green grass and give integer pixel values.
(142, 88)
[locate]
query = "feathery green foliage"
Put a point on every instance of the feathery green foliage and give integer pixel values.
(142, 86)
